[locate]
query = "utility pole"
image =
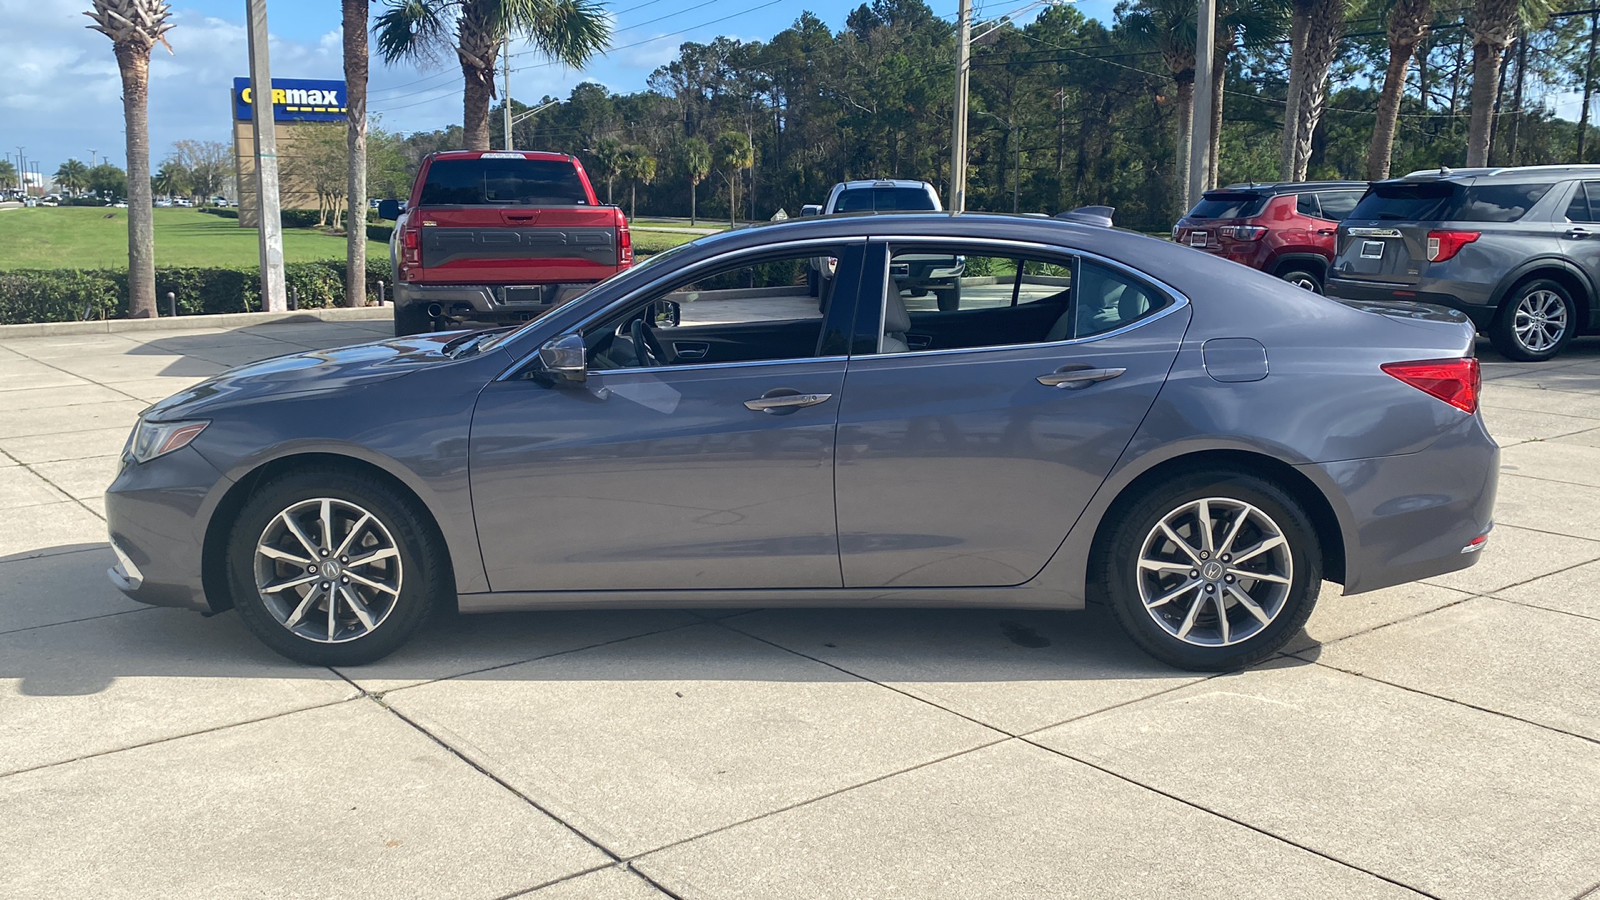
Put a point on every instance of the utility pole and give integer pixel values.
(1205, 43)
(958, 124)
(263, 126)
(505, 95)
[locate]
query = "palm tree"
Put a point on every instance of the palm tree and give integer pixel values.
(170, 181)
(1493, 24)
(72, 175)
(1168, 26)
(1241, 24)
(567, 31)
(608, 162)
(697, 163)
(355, 92)
(639, 167)
(8, 174)
(734, 155)
(1315, 28)
(134, 27)
(1409, 23)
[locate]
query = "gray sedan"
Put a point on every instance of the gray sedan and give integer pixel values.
(1107, 417)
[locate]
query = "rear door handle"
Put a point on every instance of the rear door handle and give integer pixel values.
(783, 400)
(1326, 232)
(1078, 376)
(1577, 232)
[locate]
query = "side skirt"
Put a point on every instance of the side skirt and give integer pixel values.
(1019, 597)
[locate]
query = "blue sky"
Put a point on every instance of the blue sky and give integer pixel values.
(60, 92)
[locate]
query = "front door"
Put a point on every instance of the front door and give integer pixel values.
(972, 440)
(695, 456)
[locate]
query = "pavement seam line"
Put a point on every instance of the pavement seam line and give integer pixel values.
(93, 549)
(1483, 709)
(652, 882)
(84, 619)
(1300, 654)
(1507, 587)
(523, 892)
(177, 737)
(1224, 816)
(1521, 474)
(1590, 892)
(1532, 605)
(614, 857)
(70, 498)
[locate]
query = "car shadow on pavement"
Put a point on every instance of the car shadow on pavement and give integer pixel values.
(98, 637)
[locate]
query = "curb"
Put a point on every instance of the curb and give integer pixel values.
(224, 320)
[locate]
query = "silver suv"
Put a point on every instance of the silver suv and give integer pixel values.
(1516, 249)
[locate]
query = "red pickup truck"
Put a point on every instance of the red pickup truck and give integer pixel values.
(498, 237)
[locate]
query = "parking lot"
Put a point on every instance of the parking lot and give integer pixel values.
(1437, 739)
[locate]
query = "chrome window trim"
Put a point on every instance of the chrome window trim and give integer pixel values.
(698, 267)
(1179, 299)
(595, 373)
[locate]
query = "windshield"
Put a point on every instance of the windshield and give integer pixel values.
(890, 199)
(1228, 205)
(503, 182)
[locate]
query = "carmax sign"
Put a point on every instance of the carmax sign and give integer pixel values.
(293, 100)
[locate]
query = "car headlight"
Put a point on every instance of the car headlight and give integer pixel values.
(152, 439)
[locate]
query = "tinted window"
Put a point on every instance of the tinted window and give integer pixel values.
(885, 200)
(1578, 209)
(1228, 205)
(1336, 205)
(498, 182)
(1108, 300)
(1306, 205)
(1446, 202)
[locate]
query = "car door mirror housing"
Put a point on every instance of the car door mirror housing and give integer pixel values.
(665, 314)
(389, 209)
(565, 359)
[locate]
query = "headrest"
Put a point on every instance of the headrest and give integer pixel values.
(896, 318)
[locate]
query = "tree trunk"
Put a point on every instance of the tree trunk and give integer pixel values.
(1485, 75)
(134, 64)
(1323, 31)
(1180, 175)
(1516, 102)
(479, 91)
(355, 86)
(1394, 82)
(1588, 82)
(1219, 77)
(693, 189)
(633, 201)
(1299, 26)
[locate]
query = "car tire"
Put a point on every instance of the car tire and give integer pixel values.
(949, 298)
(1164, 596)
(1303, 278)
(411, 319)
(1535, 322)
(379, 603)
(813, 282)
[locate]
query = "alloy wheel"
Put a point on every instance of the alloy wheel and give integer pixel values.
(1304, 282)
(1214, 572)
(1540, 320)
(328, 570)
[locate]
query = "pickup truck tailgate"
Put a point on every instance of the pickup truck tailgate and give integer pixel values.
(485, 244)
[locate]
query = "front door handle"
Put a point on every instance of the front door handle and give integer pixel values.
(783, 400)
(1075, 377)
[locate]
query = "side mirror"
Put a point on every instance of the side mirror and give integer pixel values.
(389, 209)
(811, 209)
(565, 359)
(665, 314)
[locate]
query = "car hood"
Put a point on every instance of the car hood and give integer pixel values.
(333, 369)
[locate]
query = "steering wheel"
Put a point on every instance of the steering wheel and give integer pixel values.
(646, 349)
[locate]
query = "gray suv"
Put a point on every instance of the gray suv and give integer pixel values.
(1516, 249)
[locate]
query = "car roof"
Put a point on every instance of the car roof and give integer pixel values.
(539, 155)
(882, 183)
(1503, 173)
(1293, 187)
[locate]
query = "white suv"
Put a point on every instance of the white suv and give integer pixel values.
(916, 274)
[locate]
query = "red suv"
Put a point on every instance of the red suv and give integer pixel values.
(1286, 230)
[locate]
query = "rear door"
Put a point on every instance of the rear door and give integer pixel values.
(1580, 233)
(504, 218)
(971, 440)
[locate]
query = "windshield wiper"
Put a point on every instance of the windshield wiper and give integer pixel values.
(458, 347)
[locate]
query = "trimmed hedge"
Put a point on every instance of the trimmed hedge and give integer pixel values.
(68, 295)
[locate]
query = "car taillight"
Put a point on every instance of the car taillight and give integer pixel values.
(1444, 244)
(1243, 232)
(411, 244)
(1455, 381)
(624, 242)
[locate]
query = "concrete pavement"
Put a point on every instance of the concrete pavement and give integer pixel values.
(1438, 739)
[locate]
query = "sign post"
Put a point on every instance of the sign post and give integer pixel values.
(264, 129)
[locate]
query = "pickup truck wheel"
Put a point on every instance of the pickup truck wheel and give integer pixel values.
(411, 319)
(949, 298)
(813, 287)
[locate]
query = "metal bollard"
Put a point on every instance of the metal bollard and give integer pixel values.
(294, 298)
(172, 304)
(380, 293)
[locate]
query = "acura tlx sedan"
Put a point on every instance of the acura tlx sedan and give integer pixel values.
(1107, 416)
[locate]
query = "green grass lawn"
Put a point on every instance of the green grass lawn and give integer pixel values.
(83, 237)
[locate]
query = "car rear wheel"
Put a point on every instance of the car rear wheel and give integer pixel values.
(1535, 322)
(1212, 571)
(1303, 278)
(334, 568)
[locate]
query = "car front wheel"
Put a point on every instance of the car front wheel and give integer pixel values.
(1213, 571)
(333, 567)
(1535, 322)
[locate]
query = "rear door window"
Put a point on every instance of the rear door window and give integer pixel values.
(1306, 205)
(1336, 205)
(1228, 205)
(503, 182)
(885, 199)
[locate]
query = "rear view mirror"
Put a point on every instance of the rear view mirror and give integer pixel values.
(565, 359)
(389, 209)
(665, 313)
(811, 209)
